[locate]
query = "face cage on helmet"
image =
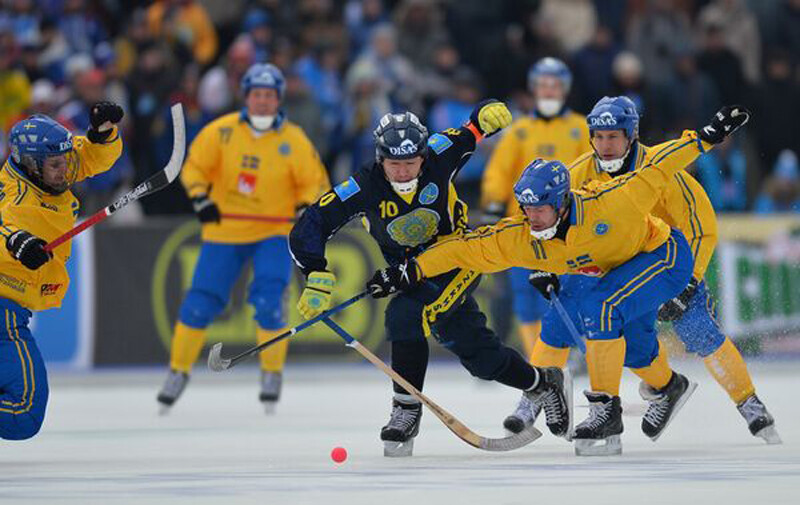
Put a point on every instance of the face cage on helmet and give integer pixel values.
(34, 166)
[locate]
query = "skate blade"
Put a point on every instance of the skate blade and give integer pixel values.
(270, 408)
(678, 406)
(611, 446)
(770, 435)
(398, 449)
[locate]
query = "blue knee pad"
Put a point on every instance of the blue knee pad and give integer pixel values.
(698, 329)
(529, 304)
(200, 308)
(268, 300)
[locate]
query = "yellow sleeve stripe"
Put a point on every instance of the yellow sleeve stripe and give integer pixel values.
(694, 219)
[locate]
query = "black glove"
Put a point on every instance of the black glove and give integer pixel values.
(99, 114)
(206, 210)
(726, 121)
(492, 213)
(395, 278)
(674, 309)
(544, 282)
(28, 249)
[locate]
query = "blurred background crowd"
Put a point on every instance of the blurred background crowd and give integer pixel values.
(347, 62)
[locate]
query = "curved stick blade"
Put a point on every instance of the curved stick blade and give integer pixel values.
(215, 361)
(511, 442)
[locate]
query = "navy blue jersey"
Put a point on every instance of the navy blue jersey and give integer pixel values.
(401, 228)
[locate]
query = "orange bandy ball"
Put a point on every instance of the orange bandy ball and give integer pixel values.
(339, 454)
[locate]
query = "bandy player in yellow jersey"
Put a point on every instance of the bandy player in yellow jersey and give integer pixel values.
(551, 132)
(255, 163)
(606, 230)
(36, 206)
(614, 126)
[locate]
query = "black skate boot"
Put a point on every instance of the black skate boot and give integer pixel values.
(759, 420)
(398, 434)
(271, 383)
(172, 390)
(664, 404)
(599, 434)
(523, 417)
(554, 394)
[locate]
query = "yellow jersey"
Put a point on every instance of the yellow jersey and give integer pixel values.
(23, 206)
(610, 223)
(683, 204)
(563, 137)
(267, 174)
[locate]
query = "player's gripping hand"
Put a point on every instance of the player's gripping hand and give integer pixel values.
(103, 116)
(726, 121)
(490, 116)
(674, 309)
(28, 249)
(395, 278)
(206, 210)
(544, 282)
(316, 297)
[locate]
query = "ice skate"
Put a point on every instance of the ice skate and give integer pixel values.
(271, 384)
(664, 404)
(599, 434)
(554, 394)
(759, 420)
(523, 417)
(172, 390)
(403, 426)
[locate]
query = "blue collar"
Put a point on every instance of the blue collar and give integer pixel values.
(280, 117)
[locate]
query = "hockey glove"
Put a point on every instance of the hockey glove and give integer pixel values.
(206, 210)
(490, 116)
(316, 297)
(675, 308)
(726, 121)
(395, 278)
(102, 116)
(544, 282)
(28, 249)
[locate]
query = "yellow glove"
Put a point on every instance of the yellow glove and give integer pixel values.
(316, 297)
(491, 116)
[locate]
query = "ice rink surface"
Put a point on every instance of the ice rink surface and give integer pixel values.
(103, 442)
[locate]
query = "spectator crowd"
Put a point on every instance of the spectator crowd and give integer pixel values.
(348, 62)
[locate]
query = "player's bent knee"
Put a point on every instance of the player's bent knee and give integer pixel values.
(200, 308)
(20, 426)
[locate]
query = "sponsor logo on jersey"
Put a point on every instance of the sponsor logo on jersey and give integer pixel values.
(429, 194)
(591, 271)
(347, 189)
(285, 149)
(12, 282)
(604, 119)
(49, 289)
(415, 228)
(48, 206)
(439, 143)
(601, 228)
(405, 148)
(246, 184)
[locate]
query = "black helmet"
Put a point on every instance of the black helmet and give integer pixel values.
(400, 137)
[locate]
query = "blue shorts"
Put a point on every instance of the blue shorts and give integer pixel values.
(23, 377)
(624, 302)
(218, 268)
